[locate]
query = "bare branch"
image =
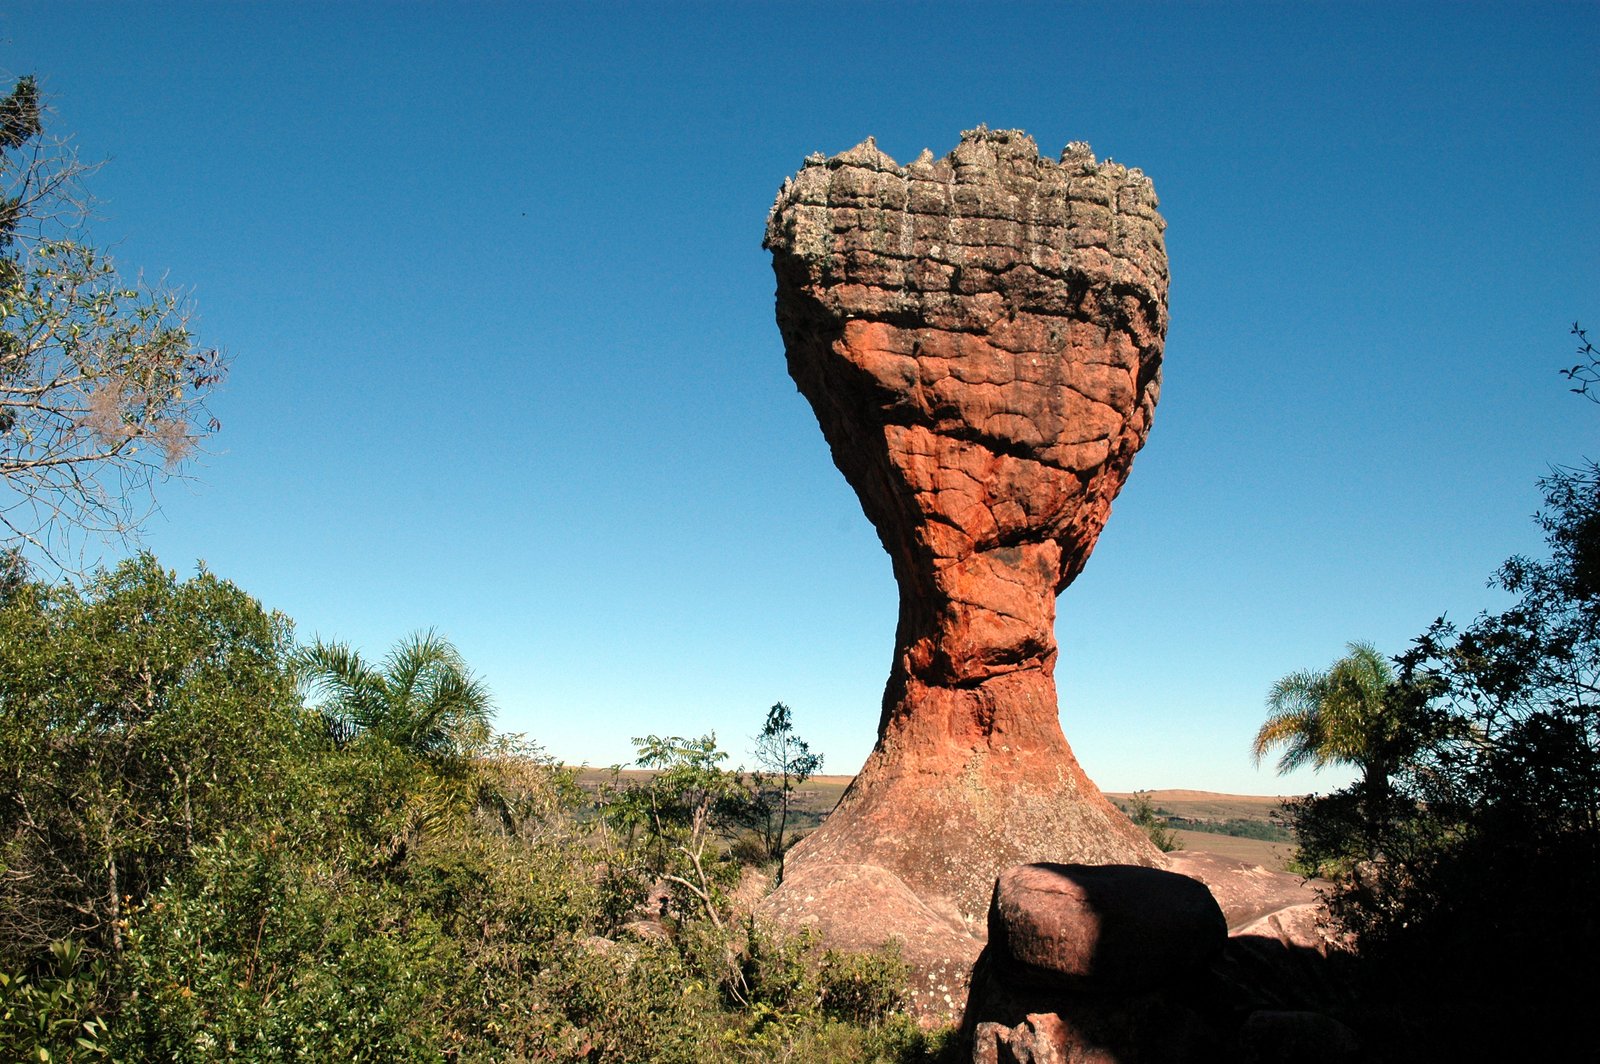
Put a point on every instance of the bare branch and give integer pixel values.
(102, 388)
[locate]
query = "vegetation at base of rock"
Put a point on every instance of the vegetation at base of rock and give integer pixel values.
(196, 866)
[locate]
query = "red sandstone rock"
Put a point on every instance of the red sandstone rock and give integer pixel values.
(1246, 892)
(1105, 928)
(980, 337)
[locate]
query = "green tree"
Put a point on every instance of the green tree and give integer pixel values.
(138, 717)
(102, 386)
(785, 761)
(671, 821)
(1352, 713)
(422, 699)
(1336, 716)
(1483, 870)
(1477, 885)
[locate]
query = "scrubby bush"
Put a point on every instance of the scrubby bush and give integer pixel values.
(138, 719)
(1153, 823)
(258, 954)
(197, 868)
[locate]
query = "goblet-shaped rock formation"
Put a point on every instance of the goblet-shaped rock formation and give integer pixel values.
(980, 337)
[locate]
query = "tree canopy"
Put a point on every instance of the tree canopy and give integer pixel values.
(1335, 716)
(1470, 887)
(137, 717)
(423, 698)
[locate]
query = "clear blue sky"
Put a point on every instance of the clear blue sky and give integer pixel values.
(505, 360)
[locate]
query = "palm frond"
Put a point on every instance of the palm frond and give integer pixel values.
(1336, 716)
(1291, 721)
(347, 691)
(423, 699)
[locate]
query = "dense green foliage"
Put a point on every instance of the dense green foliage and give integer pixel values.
(1467, 873)
(138, 719)
(195, 866)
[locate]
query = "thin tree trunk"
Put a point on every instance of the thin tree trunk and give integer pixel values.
(783, 822)
(115, 908)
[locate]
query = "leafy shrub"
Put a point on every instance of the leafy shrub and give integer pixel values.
(137, 718)
(54, 1018)
(258, 955)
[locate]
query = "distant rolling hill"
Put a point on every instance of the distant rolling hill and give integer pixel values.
(1232, 825)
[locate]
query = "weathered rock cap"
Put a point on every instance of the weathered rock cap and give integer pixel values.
(1102, 928)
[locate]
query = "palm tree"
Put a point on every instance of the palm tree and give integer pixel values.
(422, 699)
(1340, 716)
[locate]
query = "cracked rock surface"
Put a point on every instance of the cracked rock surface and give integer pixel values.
(980, 337)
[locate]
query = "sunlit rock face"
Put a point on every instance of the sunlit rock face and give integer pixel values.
(980, 337)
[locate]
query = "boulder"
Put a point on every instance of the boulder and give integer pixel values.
(1104, 928)
(1132, 964)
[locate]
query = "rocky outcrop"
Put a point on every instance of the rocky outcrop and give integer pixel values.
(1126, 964)
(980, 337)
(1247, 893)
(861, 907)
(1090, 963)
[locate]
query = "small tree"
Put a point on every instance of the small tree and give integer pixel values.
(786, 761)
(102, 388)
(672, 819)
(1144, 814)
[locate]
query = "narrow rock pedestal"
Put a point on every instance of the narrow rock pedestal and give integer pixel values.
(980, 337)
